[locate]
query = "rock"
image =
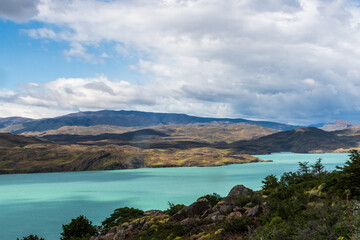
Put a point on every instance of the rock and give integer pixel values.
(153, 213)
(206, 213)
(109, 236)
(225, 209)
(188, 222)
(195, 210)
(216, 216)
(239, 191)
(254, 211)
(239, 209)
(112, 230)
(234, 215)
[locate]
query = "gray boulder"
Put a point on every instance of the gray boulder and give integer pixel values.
(239, 191)
(195, 210)
(216, 216)
(254, 211)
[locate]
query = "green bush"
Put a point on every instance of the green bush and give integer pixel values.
(122, 215)
(174, 209)
(212, 198)
(78, 229)
(237, 225)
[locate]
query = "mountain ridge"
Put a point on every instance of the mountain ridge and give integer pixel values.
(132, 119)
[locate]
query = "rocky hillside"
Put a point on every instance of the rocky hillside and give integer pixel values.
(301, 140)
(138, 149)
(12, 140)
(199, 220)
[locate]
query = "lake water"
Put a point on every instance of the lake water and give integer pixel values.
(41, 203)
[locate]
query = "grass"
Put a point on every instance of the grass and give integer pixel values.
(55, 157)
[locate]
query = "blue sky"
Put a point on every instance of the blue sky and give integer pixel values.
(293, 61)
(24, 59)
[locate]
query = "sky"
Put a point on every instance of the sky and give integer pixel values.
(291, 61)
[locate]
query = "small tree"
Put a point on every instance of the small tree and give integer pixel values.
(350, 174)
(270, 182)
(304, 167)
(31, 237)
(318, 167)
(78, 228)
(121, 215)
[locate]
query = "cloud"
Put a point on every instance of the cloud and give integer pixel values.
(283, 60)
(41, 33)
(18, 10)
(68, 93)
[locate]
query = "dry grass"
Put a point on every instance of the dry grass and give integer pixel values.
(202, 157)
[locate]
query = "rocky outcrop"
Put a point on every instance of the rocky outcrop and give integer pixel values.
(195, 210)
(196, 220)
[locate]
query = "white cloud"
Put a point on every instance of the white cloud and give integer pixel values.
(41, 33)
(284, 60)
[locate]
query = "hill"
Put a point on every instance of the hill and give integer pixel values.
(136, 149)
(302, 140)
(132, 119)
(340, 125)
(11, 140)
(12, 123)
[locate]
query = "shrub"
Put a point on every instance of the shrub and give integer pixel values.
(237, 225)
(174, 209)
(121, 215)
(78, 228)
(212, 198)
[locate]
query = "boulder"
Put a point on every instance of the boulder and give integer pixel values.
(216, 216)
(225, 208)
(239, 191)
(234, 215)
(254, 211)
(195, 210)
(188, 222)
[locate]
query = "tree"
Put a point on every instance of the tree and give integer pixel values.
(304, 167)
(270, 182)
(78, 228)
(121, 215)
(350, 174)
(31, 237)
(318, 167)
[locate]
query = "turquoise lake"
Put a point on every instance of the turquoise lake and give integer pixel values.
(41, 203)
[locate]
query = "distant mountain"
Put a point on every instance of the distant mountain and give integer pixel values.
(340, 125)
(132, 119)
(300, 140)
(7, 124)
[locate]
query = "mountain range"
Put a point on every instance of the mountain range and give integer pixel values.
(123, 119)
(107, 140)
